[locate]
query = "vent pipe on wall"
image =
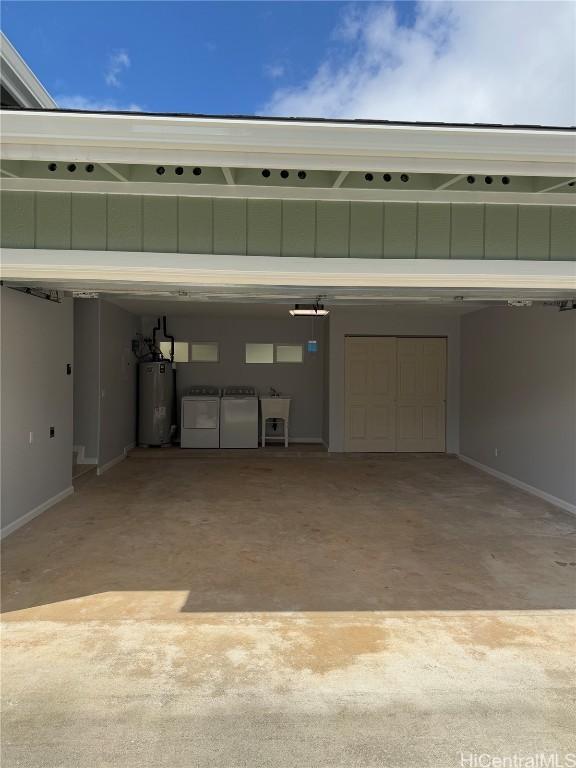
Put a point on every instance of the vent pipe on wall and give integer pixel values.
(154, 332)
(168, 336)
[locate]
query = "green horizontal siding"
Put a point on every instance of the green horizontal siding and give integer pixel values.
(302, 228)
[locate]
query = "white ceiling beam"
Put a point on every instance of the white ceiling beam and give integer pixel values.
(113, 172)
(8, 174)
(338, 181)
(229, 176)
(451, 182)
(179, 270)
(560, 184)
(183, 189)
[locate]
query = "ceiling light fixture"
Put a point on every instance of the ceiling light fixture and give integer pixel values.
(519, 302)
(309, 310)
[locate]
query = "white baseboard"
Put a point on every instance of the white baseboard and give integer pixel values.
(116, 460)
(81, 457)
(520, 484)
(11, 527)
(110, 464)
(295, 440)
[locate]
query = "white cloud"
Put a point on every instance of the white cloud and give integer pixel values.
(94, 105)
(500, 62)
(274, 71)
(117, 63)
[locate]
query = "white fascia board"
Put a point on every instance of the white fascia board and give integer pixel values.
(11, 150)
(20, 81)
(248, 192)
(276, 144)
(184, 270)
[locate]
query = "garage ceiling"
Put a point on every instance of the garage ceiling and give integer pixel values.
(175, 306)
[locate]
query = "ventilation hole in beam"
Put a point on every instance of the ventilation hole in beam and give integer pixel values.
(52, 167)
(266, 173)
(505, 180)
(404, 177)
(284, 174)
(471, 179)
(71, 167)
(90, 168)
(160, 170)
(179, 170)
(488, 179)
(301, 174)
(369, 177)
(387, 177)
(197, 171)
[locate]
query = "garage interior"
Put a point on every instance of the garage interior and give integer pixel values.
(271, 590)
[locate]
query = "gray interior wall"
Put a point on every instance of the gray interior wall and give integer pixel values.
(326, 385)
(301, 381)
(118, 383)
(393, 321)
(519, 395)
(37, 345)
(87, 376)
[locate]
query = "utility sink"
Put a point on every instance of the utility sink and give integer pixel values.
(275, 407)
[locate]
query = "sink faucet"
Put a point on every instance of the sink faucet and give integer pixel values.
(274, 392)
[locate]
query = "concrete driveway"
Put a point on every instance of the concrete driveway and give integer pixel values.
(141, 628)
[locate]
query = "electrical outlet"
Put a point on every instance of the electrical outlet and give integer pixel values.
(52, 431)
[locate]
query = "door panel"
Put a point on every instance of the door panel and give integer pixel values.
(395, 394)
(370, 391)
(407, 420)
(358, 422)
(381, 420)
(421, 395)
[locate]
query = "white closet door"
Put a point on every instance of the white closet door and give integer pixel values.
(370, 388)
(421, 395)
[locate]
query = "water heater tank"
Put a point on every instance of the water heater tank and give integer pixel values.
(155, 402)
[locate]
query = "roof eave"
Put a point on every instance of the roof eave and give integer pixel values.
(250, 142)
(20, 81)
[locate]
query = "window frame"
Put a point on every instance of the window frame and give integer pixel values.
(204, 343)
(274, 345)
(166, 344)
(288, 362)
(258, 344)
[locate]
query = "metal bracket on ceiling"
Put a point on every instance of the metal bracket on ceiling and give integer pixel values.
(40, 293)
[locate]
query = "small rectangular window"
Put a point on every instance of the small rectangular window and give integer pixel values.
(289, 353)
(259, 353)
(180, 351)
(204, 352)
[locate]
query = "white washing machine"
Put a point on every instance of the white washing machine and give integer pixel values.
(200, 418)
(239, 418)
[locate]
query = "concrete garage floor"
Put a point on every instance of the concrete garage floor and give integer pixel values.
(317, 612)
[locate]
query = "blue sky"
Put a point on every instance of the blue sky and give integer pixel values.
(212, 57)
(506, 61)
